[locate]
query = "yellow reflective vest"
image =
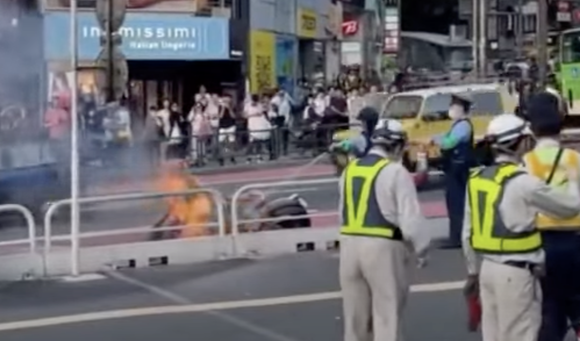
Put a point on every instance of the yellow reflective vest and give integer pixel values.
(540, 163)
(488, 231)
(361, 214)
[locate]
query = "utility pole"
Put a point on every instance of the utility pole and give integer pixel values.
(475, 35)
(483, 12)
(519, 26)
(542, 40)
(479, 36)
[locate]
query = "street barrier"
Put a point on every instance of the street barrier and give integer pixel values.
(279, 241)
(24, 265)
(141, 251)
(30, 226)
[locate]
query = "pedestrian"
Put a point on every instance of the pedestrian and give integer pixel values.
(227, 130)
(201, 130)
(502, 203)
(280, 119)
(58, 123)
(258, 128)
(151, 137)
(457, 154)
(381, 226)
(549, 161)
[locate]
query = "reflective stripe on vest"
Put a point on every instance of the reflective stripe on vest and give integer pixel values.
(488, 231)
(539, 162)
(361, 214)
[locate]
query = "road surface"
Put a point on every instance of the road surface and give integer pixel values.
(253, 300)
(237, 300)
(322, 199)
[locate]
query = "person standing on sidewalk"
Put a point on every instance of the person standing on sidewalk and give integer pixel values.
(227, 131)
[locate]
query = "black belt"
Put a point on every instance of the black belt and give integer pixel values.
(522, 265)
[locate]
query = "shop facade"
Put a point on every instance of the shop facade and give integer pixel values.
(169, 55)
(363, 34)
(287, 42)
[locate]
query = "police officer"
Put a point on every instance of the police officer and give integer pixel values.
(550, 162)
(457, 152)
(501, 206)
(381, 225)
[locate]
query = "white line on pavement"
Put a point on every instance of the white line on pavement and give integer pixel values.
(212, 308)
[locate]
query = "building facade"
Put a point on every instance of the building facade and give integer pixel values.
(291, 40)
(172, 48)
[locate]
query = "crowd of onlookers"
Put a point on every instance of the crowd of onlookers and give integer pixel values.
(262, 127)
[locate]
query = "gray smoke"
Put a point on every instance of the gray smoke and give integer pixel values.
(21, 54)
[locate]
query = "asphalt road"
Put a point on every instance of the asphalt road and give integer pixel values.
(124, 214)
(247, 300)
(440, 313)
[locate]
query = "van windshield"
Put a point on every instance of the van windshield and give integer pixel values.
(483, 103)
(403, 106)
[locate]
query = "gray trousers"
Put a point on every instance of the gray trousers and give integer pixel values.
(511, 303)
(374, 278)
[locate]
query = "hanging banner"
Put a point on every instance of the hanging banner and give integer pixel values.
(262, 61)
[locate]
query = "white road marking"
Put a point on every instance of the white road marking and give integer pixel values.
(204, 307)
(183, 301)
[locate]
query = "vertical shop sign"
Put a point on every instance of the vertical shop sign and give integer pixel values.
(262, 61)
(392, 30)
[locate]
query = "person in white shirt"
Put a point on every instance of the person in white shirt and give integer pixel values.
(280, 119)
(200, 131)
(163, 116)
(202, 95)
(258, 126)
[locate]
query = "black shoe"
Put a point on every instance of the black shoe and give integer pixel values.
(450, 245)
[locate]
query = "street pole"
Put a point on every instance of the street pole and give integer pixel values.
(519, 23)
(483, 37)
(542, 40)
(74, 161)
(475, 35)
(110, 65)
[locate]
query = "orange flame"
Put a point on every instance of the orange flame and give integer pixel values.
(193, 211)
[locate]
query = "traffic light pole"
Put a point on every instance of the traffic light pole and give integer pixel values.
(542, 41)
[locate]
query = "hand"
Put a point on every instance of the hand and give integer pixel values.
(471, 285)
(572, 174)
(436, 139)
(421, 262)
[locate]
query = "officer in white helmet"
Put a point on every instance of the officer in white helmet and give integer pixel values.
(502, 202)
(381, 228)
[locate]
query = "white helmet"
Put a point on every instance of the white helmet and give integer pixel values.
(388, 131)
(505, 128)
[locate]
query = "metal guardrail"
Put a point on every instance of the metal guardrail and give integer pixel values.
(75, 249)
(235, 198)
(30, 225)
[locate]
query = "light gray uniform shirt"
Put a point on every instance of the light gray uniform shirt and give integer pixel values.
(524, 197)
(398, 201)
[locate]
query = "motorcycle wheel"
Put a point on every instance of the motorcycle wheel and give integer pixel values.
(289, 223)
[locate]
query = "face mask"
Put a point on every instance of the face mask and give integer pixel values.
(455, 112)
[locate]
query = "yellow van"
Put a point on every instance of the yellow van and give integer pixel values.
(423, 113)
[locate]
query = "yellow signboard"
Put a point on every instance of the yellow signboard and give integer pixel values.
(306, 23)
(262, 61)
